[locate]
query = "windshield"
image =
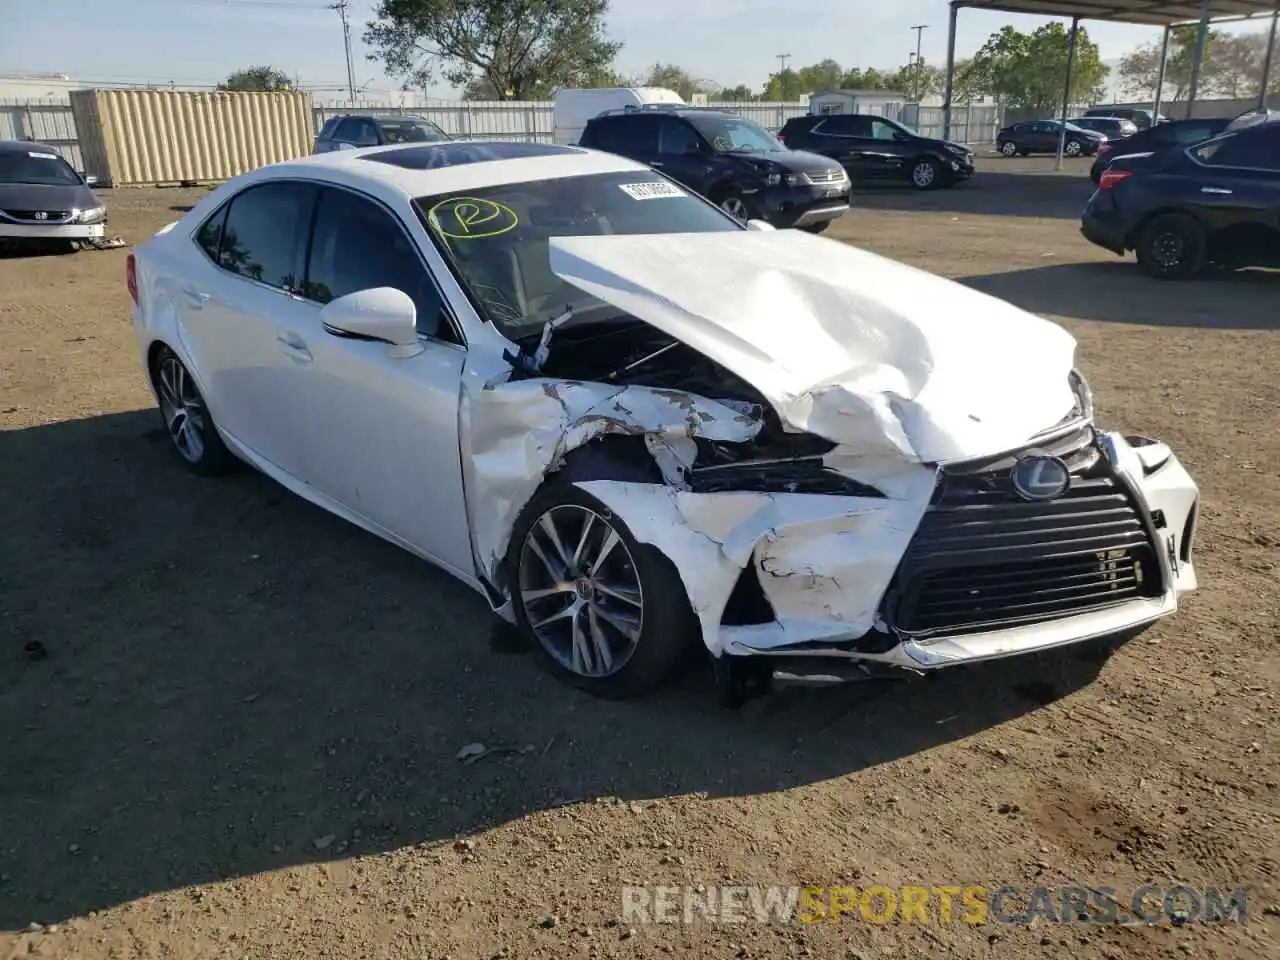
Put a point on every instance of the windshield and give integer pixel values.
(735, 135)
(410, 131)
(496, 239)
(36, 166)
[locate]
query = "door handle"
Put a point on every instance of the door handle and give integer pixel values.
(294, 347)
(657, 163)
(1220, 191)
(195, 297)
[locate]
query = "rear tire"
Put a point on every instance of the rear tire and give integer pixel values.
(1172, 246)
(738, 207)
(192, 434)
(657, 628)
(1009, 149)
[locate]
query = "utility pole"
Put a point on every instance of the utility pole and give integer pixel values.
(342, 6)
(919, 29)
(782, 61)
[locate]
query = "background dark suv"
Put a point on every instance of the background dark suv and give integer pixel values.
(874, 148)
(731, 161)
(362, 130)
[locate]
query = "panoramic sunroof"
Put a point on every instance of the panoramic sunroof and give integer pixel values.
(455, 153)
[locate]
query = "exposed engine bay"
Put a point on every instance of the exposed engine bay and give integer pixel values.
(630, 352)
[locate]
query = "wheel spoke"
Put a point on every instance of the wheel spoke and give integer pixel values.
(611, 541)
(533, 596)
(548, 527)
(177, 423)
(557, 573)
(568, 610)
(168, 390)
(625, 594)
(603, 655)
(581, 653)
(626, 625)
(582, 542)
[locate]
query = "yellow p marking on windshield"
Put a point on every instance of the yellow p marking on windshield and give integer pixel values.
(472, 218)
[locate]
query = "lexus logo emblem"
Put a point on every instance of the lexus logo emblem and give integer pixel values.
(1040, 478)
(41, 215)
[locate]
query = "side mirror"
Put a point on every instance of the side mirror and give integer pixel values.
(381, 313)
(343, 145)
(760, 226)
(90, 180)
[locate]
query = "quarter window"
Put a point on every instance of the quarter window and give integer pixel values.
(264, 233)
(357, 245)
(210, 233)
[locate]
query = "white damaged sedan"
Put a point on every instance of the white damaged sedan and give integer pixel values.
(634, 423)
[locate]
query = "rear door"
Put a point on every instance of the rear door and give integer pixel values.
(837, 137)
(634, 136)
(1238, 191)
(243, 324)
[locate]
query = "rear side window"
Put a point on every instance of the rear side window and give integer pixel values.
(625, 135)
(264, 234)
(210, 233)
(358, 245)
(1258, 148)
(838, 125)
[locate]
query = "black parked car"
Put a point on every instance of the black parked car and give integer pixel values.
(1171, 133)
(729, 160)
(1217, 201)
(361, 130)
(1041, 136)
(872, 148)
(1115, 128)
(1142, 119)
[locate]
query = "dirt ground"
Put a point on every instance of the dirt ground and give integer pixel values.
(242, 741)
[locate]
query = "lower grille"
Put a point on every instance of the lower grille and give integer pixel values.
(825, 176)
(984, 558)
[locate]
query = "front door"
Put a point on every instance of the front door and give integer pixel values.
(382, 431)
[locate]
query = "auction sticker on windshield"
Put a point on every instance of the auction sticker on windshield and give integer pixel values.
(651, 191)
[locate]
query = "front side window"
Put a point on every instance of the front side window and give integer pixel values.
(735, 135)
(358, 131)
(263, 237)
(497, 239)
(675, 137)
(38, 167)
(884, 130)
(357, 245)
(410, 131)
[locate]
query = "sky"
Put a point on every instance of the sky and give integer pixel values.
(724, 41)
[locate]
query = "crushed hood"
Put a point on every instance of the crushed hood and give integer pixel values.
(869, 353)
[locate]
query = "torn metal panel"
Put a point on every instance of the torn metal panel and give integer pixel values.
(868, 353)
(823, 562)
(521, 430)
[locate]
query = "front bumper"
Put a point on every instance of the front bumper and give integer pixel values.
(1146, 507)
(803, 206)
(960, 168)
(67, 231)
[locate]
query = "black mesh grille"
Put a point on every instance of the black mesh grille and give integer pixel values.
(984, 558)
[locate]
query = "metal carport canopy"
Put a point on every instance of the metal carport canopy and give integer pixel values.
(1156, 13)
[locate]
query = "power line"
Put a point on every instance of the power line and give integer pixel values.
(342, 6)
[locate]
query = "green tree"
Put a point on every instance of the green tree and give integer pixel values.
(671, 77)
(784, 85)
(919, 80)
(1139, 71)
(521, 47)
(823, 75)
(739, 94)
(1028, 70)
(257, 80)
(870, 79)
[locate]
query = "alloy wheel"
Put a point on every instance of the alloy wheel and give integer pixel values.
(924, 174)
(183, 409)
(736, 208)
(1009, 149)
(1072, 149)
(1167, 249)
(581, 590)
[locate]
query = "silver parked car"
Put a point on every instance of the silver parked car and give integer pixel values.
(43, 200)
(348, 131)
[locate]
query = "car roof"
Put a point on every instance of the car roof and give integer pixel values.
(22, 146)
(406, 171)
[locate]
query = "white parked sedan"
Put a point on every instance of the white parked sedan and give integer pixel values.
(632, 423)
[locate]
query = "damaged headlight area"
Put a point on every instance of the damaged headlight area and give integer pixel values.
(772, 463)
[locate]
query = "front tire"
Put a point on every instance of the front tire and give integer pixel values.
(188, 423)
(737, 207)
(1172, 247)
(1009, 149)
(1072, 148)
(606, 613)
(926, 174)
